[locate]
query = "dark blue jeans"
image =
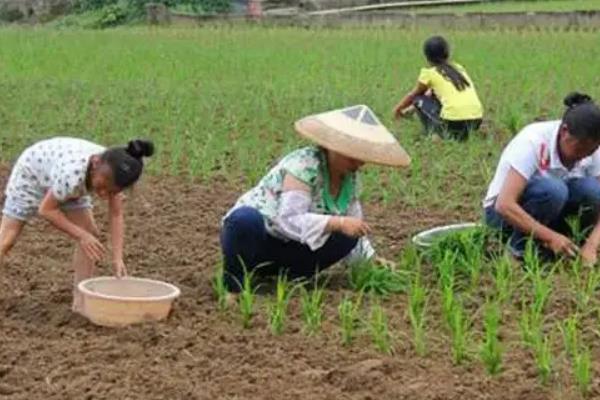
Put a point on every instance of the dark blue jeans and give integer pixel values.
(429, 109)
(246, 243)
(551, 201)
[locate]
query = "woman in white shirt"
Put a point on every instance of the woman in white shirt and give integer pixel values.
(305, 214)
(549, 172)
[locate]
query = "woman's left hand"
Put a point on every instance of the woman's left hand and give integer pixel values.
(589, 254)
(120, 268)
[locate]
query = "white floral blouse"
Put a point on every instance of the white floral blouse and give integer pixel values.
(306, 165)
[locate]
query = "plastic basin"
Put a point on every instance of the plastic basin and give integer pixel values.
(426, 238)
(109, 301)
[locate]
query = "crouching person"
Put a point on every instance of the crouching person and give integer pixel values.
(55, 179)
(305, 214)
(548, 174)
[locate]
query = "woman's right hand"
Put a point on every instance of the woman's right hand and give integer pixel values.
(561, 244)
(398, 112)
(91, 246)
(353, 227)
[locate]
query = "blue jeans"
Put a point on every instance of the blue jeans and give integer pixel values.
(429, 109)
(246, 242)
(551, 201)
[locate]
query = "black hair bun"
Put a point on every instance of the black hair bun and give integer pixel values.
(140, 148)
(575, 98)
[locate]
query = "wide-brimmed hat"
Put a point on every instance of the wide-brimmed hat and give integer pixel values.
(354, 132)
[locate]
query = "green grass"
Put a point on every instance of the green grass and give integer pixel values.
(513, 6)
(208, 96)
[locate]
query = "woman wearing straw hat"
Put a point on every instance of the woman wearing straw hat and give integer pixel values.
(305, 214)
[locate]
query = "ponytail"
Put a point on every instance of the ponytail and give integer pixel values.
(127, 162)
(437, 52)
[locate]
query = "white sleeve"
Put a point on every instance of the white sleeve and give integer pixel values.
(363, 249)
(593, 169)
(521, 156)
(295, 222)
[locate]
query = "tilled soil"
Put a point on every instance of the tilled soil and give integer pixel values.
(46, 352)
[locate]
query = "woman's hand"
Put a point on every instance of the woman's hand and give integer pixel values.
(589, 254)
(398, 112)
(91, 246)
(353, 227)
(120, 268)
(561, 244)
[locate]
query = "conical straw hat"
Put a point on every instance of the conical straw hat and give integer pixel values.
(354, 132)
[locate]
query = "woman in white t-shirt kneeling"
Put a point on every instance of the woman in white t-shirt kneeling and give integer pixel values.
(55, 179)
(548, 173)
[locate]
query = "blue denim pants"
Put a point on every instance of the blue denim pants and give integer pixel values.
(245, 242)
(551, 201)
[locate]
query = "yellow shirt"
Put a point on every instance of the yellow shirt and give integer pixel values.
(456, 105)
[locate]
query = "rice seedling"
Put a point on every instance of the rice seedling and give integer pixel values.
(417, 304)
(218, 284)
(278, 308)
(528, 324)
(246, 300)
(503, 278)
(582, 370)
(540, 280)
(473, 259)
(312, 308)
(446, 272)
(348, 314)
(579, 354)
(378, 328)
(459, 332)
(542, 350)
(367, 277)
(570, 332)
(491, 349)
(584, 281)
(577, 232)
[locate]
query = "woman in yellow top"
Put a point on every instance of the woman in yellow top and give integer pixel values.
(445, 97)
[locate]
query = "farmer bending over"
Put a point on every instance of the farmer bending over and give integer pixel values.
(54, 178)
(445, 97)
(305, 214)
(549, 172)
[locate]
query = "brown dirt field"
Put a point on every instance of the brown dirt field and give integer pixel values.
(46, 352)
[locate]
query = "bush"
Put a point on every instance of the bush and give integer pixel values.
(10, 14)
(90, 5)
(112, 15)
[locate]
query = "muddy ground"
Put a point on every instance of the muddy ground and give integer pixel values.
(198, 353)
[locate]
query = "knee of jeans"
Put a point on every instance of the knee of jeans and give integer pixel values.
(553, 191)
(245, 220)
(590, 188)
(345, 243)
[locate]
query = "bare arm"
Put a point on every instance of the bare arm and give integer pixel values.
(589, 251)
(117, 226)
(407, 100)
(507, 205)
(49, 209)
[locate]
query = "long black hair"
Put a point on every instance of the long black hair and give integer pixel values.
(437, 52)
(127, 162)
(582, 116)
